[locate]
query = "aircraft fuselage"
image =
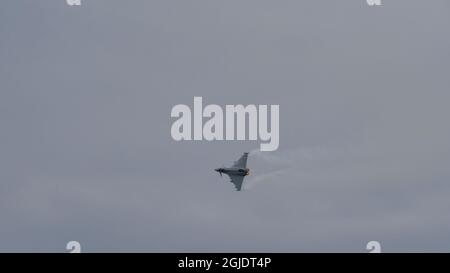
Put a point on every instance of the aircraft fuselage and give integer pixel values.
(233, 171)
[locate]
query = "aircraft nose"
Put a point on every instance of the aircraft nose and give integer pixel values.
(217, 170)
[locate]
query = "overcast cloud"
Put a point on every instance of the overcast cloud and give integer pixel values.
(85, 146)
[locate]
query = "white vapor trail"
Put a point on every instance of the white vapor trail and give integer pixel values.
(279, 163)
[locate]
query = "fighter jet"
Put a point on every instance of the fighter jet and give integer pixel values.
(237, 172)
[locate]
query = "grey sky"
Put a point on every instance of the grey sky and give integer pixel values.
(85, 146)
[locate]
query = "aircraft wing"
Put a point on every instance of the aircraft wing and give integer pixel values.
(237, 180)
(242, 162)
